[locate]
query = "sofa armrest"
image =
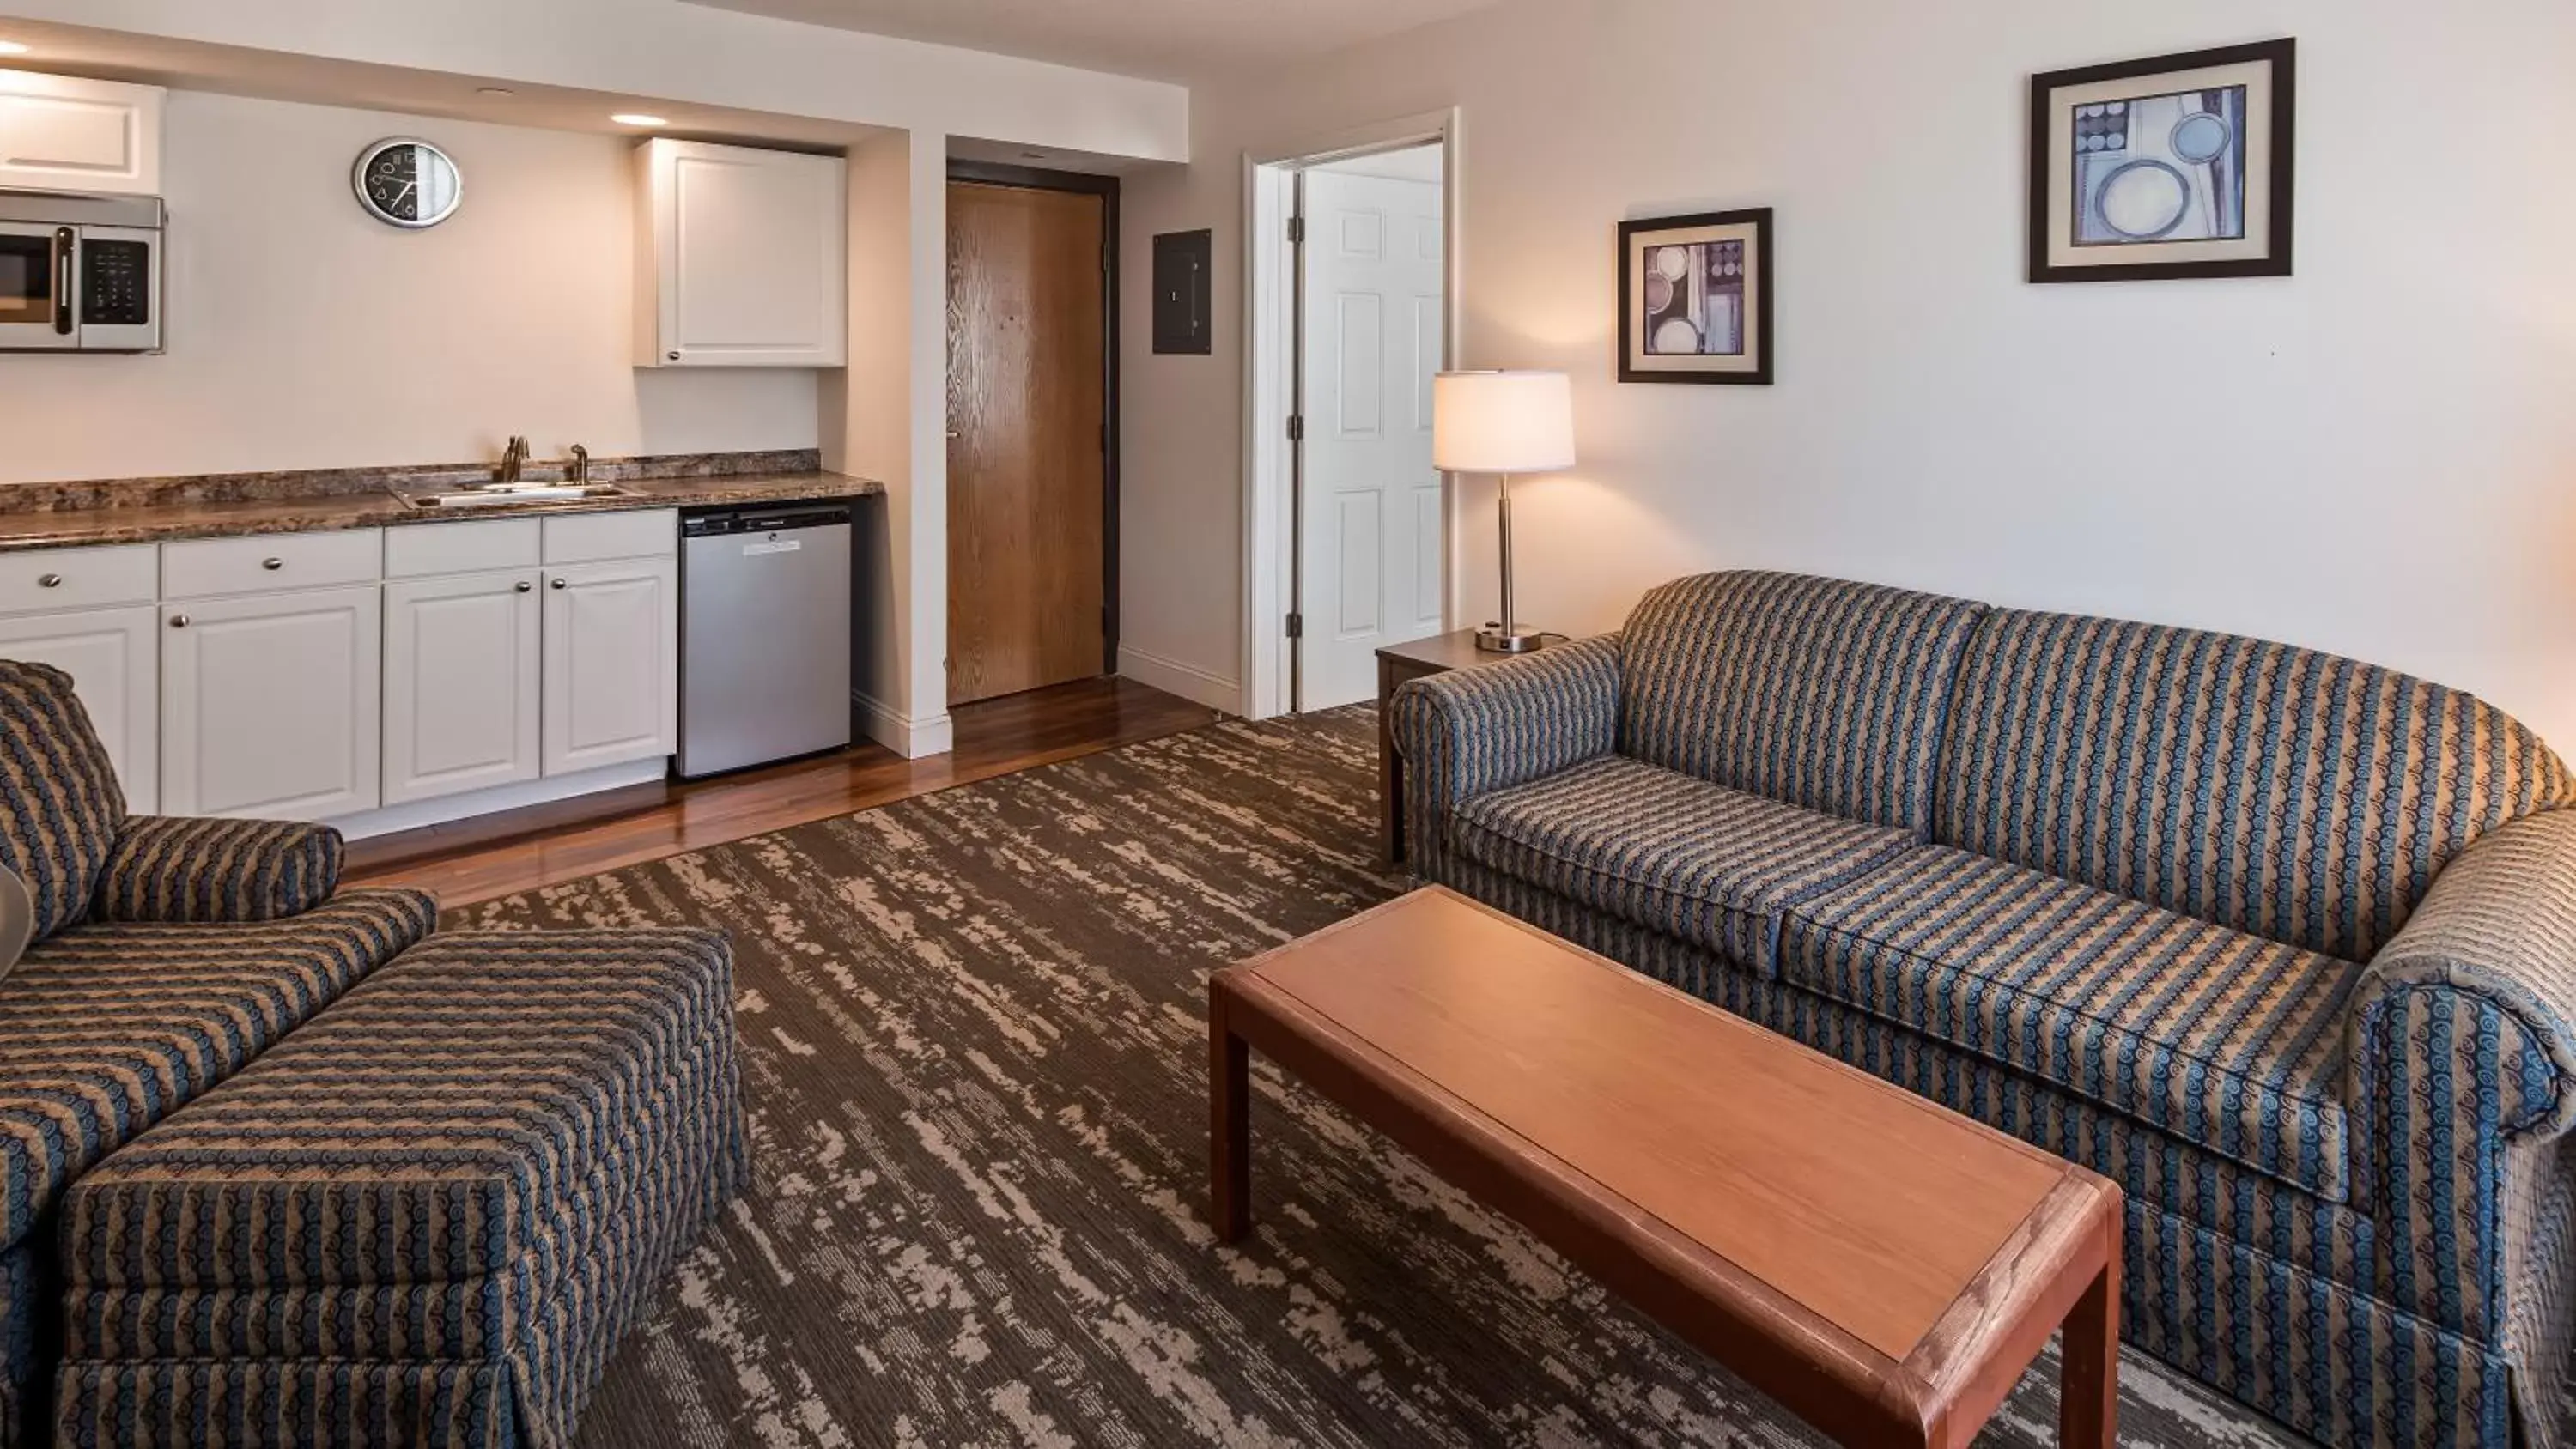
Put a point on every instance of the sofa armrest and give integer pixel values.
(2483, 977)
(1473, 731)
(212, 872)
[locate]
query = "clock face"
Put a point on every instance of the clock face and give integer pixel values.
(408, 183)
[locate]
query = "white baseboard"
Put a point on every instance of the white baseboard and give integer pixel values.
(500, 797)
(1188, 681)
(911, 738)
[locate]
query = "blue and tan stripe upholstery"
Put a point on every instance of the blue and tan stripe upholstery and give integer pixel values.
(1476, 731)
(525, 1185)
(1699, 862)
(2284, 944)
(2292, 794)
(108, 1029)
(2228, 1041)
(22, 1301)
(211, 872)
(1815, 692)
(59, 802)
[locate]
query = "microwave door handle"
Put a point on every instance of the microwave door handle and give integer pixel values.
(65, 241)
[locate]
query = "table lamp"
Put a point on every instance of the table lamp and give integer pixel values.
(1503, 423)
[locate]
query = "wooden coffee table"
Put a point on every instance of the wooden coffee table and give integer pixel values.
(1883, 1267)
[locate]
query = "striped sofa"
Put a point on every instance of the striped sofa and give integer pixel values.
(2282, 943)
(168, 955)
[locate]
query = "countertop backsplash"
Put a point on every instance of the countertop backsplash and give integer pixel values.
(319, 483)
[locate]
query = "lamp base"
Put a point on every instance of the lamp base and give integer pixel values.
(1495, 639)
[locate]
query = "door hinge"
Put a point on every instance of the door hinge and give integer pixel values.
(1296, 427)
(1296, 231)
(1296, 626)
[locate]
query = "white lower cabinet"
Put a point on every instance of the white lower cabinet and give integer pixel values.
(271, 704)
(462, 679)
(113, 658)
(612, 663)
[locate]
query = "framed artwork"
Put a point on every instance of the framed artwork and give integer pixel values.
(1695, 298)
(2178, 166)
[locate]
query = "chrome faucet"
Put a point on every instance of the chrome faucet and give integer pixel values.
(514, 460)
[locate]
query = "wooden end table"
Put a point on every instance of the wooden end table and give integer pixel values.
(1883, 1267)
(1397, 663)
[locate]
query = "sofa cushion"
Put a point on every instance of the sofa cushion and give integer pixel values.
(2292, 794)
(59, 802)
(2225, 1040)
(1675, 854)
(106, 1030)
(1816, 692)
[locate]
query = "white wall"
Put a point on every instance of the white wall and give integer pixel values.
(303, 334)
(2377, 456)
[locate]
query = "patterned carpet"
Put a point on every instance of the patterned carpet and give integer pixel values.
(975, 1054)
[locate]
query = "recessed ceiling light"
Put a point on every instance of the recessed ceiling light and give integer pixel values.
(13, 47)
(632, 119)
(494, 91)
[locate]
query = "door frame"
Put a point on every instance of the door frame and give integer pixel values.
(1272, 183)
(1033, 178)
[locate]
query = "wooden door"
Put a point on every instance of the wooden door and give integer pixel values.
(270, 705)
(1028, 439)
(461, 684)
(612, 664)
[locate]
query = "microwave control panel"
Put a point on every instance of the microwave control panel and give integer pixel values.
(116, 284)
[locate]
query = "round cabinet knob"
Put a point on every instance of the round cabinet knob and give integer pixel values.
(272, 564)
(526, 587)
(50, 581)
(675, 357)
(178, 621)
(561, 584)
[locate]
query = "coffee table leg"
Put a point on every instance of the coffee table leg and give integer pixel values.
(2088, 1415)
(1230, 1125)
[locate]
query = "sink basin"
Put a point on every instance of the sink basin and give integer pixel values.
(502, 495)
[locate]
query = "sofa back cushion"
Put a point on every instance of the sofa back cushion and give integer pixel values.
(60, 807)
(1818, 692)
(2286, 793)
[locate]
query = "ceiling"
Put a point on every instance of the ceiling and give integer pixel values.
(1178, 40)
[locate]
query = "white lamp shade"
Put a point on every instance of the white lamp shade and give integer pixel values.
(1502, 422)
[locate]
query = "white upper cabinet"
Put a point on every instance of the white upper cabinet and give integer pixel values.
(58, 133)
(744, 261)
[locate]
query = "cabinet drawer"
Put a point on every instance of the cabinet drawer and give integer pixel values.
(78, 578)
(598, 537)
(433, 549)
(212, 567)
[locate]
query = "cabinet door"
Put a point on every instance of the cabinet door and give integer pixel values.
(270, 705)
(461, 682)
(751, 256)
(58, 133)
(612, 663)
(109, 653)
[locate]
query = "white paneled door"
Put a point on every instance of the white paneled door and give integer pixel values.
(611, 664)
(271, 704)
(1371, 532)
(113, 657)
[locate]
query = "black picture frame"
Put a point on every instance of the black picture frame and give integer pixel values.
(2281, 162)
(1763, 340)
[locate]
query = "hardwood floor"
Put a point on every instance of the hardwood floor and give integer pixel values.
(498, 855)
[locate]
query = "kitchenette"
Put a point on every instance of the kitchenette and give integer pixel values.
(385, 643)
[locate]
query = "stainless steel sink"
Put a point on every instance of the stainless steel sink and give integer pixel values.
(503, 495)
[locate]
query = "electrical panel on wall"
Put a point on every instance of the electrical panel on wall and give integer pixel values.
(1184, 292)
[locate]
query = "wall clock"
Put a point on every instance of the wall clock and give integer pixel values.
(407, 183)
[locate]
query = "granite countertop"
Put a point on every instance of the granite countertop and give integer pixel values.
(162, 510)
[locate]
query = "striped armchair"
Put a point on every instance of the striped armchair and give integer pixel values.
(2283, 943)
(167, 955)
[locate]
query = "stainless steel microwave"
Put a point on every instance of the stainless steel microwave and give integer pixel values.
(80, 273)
